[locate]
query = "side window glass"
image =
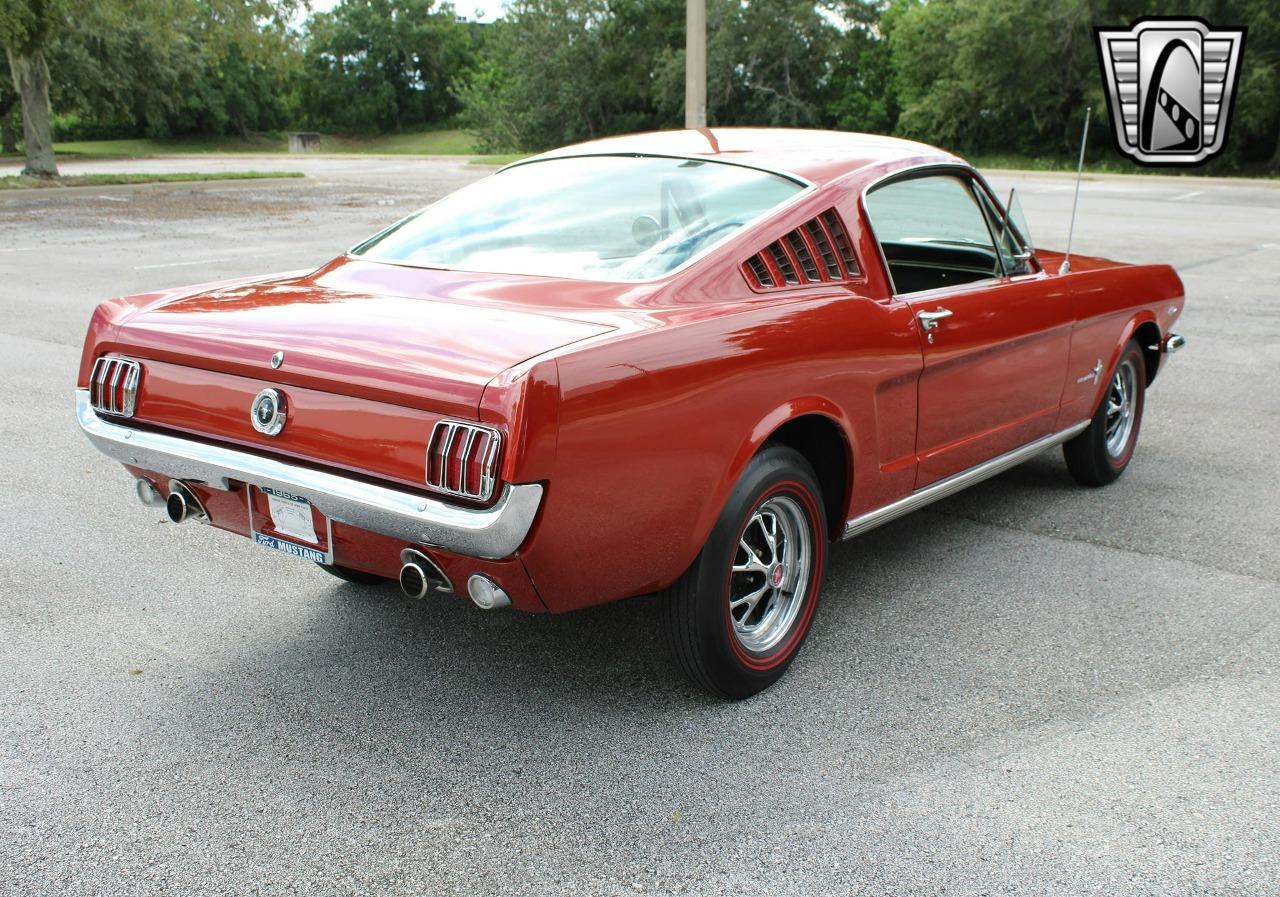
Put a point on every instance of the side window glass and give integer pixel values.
(932, 233)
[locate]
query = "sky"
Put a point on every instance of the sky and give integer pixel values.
(477, 10)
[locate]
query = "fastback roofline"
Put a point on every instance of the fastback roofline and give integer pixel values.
(690, 157)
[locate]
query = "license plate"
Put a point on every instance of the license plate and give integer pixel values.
(291, 515)
(288, 525)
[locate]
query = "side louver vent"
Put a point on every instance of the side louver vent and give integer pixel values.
(113, 386)
(818, 251)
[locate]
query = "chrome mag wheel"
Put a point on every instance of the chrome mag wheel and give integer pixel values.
(771, 572)
(1121, 399)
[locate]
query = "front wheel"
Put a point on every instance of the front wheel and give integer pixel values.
(737, 618)
(1102, 452)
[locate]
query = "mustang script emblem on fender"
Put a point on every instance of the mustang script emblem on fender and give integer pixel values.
(1093, 374)
(267, 413)
(1170, 85)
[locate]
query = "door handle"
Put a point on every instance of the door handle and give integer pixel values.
(929, 319)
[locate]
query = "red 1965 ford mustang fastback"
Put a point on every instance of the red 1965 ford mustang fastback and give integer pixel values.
(681, 362)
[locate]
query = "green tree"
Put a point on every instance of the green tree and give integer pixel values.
(383, 64)
(767, 64)
(862, 96)
(26, 26)
(540, 77)
(558, 71)
(1015, 75)
(127, 61)
(993, 74)
(8, 112)
(173, 68)
(1254, 134)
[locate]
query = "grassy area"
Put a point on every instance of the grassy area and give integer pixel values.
(1109, 164)
(458, 143)
(424, 143)
(20, 182)
(498, 159)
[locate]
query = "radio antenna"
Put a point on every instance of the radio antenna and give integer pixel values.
(1065, 267)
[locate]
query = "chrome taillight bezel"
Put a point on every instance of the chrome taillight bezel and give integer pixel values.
(113, 385)
(478, 444)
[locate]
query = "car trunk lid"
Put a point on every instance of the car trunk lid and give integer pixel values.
(426, 349)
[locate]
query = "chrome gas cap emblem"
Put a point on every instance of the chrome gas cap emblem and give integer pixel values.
(267, 413)
(277, 359)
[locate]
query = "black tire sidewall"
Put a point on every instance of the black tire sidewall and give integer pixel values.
(1132, 353)
(1087, 457)
(776, 470)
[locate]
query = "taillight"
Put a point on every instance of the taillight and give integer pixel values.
(113, 385)
(462, 459)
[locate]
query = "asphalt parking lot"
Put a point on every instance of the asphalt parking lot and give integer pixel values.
(1029, 688)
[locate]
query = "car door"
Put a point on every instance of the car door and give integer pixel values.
(994, 344)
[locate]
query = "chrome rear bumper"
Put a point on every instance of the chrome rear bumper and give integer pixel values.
(491, 533)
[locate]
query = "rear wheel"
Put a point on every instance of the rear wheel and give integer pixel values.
(737, 618)
(351, 575)
(1102, 452)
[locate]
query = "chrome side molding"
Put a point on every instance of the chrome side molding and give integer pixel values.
(956, 482)
(493, 532)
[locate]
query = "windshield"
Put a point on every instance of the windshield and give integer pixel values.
(616, 218)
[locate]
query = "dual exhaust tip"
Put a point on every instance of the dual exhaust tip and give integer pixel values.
(180, 503)
(420, 576)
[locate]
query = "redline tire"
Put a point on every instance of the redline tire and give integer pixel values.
(1103, 451)
(724, 642)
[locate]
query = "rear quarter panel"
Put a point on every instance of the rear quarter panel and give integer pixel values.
(656, 426)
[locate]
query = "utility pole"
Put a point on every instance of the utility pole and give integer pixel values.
(695, 64)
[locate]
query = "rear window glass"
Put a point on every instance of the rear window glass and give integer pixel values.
(617, 218)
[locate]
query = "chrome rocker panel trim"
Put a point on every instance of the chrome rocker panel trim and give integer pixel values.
(491, 533)
(956, 482)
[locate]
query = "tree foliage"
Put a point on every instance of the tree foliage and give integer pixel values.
(382, 64)
(1015, 75)
(998, 76)
(174, 67)
(556, 71)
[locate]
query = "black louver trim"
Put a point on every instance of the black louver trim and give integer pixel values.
(818, 251)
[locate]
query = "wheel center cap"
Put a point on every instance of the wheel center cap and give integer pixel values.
(777, 575)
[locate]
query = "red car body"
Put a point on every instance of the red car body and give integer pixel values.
(633, 407)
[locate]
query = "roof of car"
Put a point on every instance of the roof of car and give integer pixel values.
(816, 156)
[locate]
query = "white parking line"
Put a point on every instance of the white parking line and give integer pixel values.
(1186, 195)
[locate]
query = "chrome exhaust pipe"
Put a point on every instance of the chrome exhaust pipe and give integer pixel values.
(148, 494)
(413, 582)
(182, 504)
(420, 576)
(487, 594)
